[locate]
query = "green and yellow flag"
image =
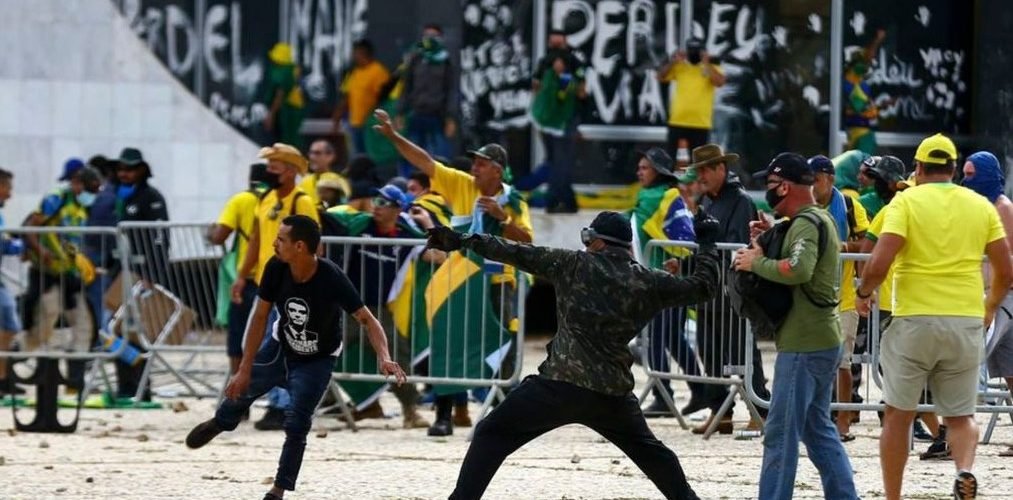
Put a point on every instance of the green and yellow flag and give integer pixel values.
(468, 339)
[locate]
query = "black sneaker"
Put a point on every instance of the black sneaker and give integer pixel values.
(273, 420)
(938, 450)
(203, 434)
(271, 496)
(965, 487)
(920, 434)
(441, 428)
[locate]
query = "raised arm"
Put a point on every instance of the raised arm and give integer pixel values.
(702, 285)
(407, 149)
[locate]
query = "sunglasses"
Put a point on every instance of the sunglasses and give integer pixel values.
(383, 202)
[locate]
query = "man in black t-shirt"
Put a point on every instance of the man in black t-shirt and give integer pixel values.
(310, 294)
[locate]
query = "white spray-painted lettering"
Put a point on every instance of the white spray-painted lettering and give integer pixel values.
(321, 33)
(495, 67)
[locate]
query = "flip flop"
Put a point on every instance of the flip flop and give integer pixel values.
(847, 437)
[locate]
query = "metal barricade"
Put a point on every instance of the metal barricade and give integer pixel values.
(57, 278)
(708, 342)
(450, 319)
(869, 365)
(176, 299)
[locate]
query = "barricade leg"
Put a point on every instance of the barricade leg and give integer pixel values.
(47, 380)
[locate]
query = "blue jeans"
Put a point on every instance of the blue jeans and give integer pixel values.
(277, 398)
(358, 139)
(426, 131)
(561, 155)
(800, 411)
(306, 379)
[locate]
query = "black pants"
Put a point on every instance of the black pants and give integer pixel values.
(721, 338)
(540, 405)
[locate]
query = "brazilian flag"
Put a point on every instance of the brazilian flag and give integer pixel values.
(468, 340)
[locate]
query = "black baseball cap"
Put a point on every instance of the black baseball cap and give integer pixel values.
(660, 160)
(821, 165)
(613, 227)
(790, 167)
(492, 152)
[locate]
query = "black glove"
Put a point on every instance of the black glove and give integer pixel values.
(444, 238)
(707, 230)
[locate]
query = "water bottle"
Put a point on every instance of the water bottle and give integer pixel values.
(129, 355)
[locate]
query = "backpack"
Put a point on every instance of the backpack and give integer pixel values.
(763, 302)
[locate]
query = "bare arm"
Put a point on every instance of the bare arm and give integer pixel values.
(218, 233)
(407, 149)
(378, 339)
(1002, 276)
(32, 240)
(514, 232)
(883, 254)
(662, 74)
(855, 245)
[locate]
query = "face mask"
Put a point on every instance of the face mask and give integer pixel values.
(989, 189)
(859, 69)
(693, 55)
(272, 180)
(774, 199)
(124, 191)
(86, 198)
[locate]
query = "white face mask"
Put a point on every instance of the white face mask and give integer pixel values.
(86, 198)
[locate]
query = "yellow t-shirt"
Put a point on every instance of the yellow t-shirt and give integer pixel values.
(886, 289)
(239, 213)
(693, 103)
(362, 90)
(848, 269)
(938, 270)
(459, 190)
(270, 213)
(308, 185)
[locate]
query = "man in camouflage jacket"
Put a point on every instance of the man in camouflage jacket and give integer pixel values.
(604, 298)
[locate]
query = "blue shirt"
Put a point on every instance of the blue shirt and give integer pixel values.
(839, 211)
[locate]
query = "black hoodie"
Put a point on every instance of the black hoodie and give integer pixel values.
(733, 208)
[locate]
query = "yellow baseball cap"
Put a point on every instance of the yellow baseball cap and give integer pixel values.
(287, 154)
(936, 149)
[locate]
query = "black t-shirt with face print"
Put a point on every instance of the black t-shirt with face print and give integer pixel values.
(309, 314)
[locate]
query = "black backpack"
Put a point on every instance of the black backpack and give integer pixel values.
(763, 302)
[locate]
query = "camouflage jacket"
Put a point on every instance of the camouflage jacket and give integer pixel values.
(603, 300)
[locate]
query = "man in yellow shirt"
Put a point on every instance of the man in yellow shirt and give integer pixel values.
(936, 232)
(321, 161)
(691, 109)
(284, 164)
(483, 204)
(360, 92)
(238, 216)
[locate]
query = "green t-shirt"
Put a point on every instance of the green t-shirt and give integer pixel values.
(808, 327)
(872, 203)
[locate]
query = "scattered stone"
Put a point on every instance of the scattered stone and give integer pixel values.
(89, 480)
(615, 461)
(267, 480)
(43, 444)
(48, 467)
(179, 407)
(118, 415)
(103, 434)
(3, 461)
(143, 438)
(12, 432)
(322, 433)
(116, 429)
(61, 490)
(575, 460)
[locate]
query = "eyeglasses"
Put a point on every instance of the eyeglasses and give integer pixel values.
(383, 202)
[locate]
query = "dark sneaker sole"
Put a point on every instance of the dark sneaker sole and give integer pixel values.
(970, 484)
(202, 434)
